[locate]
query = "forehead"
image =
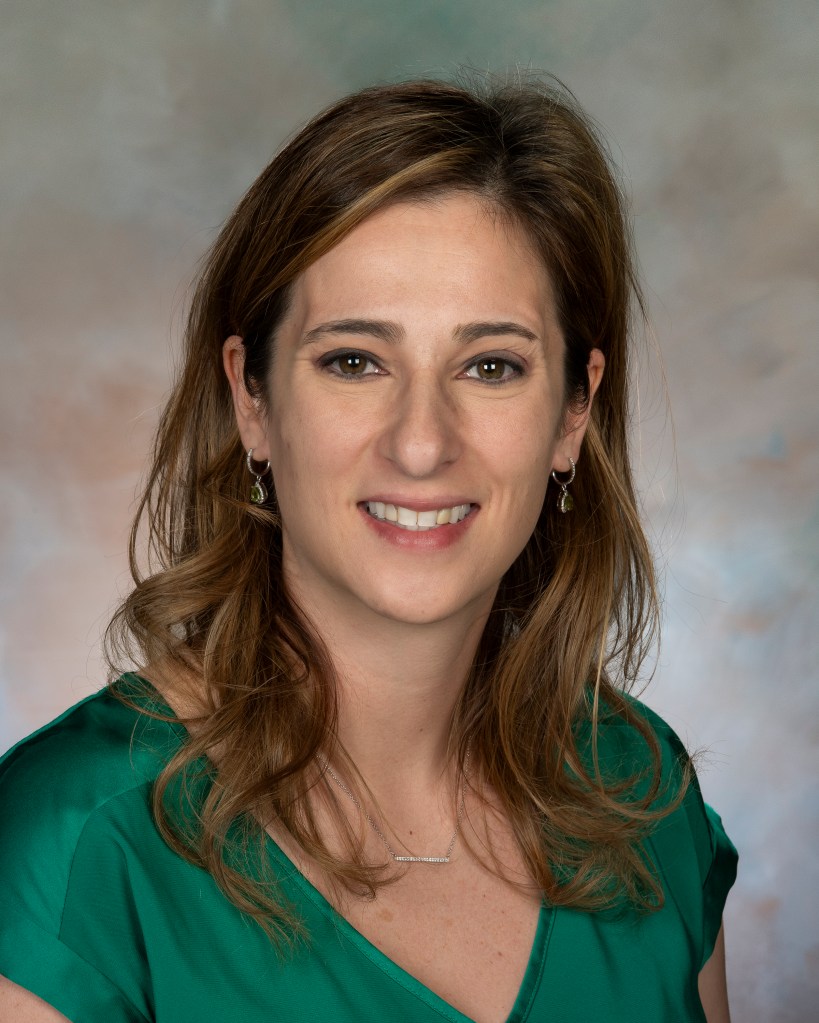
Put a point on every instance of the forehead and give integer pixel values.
(435, 254)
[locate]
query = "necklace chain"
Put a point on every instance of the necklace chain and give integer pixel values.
(398, 858)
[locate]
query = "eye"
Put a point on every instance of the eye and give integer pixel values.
(492, 369)
(349, 365)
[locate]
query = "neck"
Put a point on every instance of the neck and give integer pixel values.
(398, 686)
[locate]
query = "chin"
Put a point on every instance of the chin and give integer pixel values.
(423, 611)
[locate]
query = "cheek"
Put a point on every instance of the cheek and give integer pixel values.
(311, 446)
(523, 463)
(522, 442)
(527, 494)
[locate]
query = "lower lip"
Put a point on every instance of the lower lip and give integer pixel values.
(423, 540)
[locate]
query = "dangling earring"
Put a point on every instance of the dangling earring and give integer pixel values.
(258, 492)
(565, 501)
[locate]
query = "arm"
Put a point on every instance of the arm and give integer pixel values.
(713, 985)
(23, 1007)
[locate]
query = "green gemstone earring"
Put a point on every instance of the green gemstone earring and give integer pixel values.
(258, 492)
(565, 501)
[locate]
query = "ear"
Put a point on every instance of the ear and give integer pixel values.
(574, 427)
(249, 418)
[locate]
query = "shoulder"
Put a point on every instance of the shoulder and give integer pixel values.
(89, 754)
(638, 748)
(694, 856)
(59, 781)
(637, 743)
(620, 729)
(633, 742)
(72, 797)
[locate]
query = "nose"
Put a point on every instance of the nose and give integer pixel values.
(421, 429)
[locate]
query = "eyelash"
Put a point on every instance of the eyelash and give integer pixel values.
(516, 367)
(327, 361)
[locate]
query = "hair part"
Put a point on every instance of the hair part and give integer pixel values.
(574, 617)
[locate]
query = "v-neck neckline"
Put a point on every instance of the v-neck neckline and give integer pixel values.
(531, 976)
(537, 956)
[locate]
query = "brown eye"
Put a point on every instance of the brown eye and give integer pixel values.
(351, 364)
(491, 369)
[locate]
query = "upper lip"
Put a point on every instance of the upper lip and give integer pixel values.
(413, 504)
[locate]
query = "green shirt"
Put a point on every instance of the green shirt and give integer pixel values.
(104, 922)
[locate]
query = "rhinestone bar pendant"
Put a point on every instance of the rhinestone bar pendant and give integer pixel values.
(421, 859)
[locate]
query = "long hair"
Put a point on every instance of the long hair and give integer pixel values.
(574, 616)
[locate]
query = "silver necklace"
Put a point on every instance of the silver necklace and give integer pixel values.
(404, 859)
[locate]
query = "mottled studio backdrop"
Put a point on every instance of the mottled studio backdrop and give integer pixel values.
(128, 130)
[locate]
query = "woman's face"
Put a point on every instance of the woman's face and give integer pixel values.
(419, 369)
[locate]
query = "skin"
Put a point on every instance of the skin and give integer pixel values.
(713, 984)
(421, 423)
(418, 425)
(426, 422)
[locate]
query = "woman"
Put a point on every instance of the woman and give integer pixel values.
(379, 762)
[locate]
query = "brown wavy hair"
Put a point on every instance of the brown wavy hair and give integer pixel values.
(574, 617)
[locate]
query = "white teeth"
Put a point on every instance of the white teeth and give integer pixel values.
(417, 521)
(407, 517)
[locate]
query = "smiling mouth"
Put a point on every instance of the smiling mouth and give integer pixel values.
(406, 518)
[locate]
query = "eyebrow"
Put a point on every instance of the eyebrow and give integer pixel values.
(393, 334)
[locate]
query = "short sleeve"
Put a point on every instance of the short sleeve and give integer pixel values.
(39, 961)
(689, 847)
(695, 855)
(720, 878)
(49, 799)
